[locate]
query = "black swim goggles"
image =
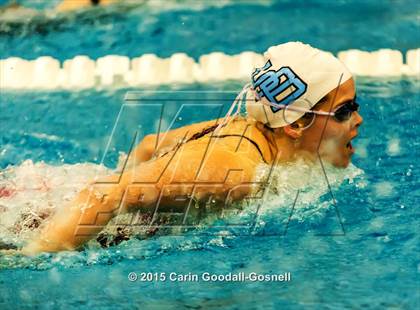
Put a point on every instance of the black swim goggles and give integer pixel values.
(344, 112)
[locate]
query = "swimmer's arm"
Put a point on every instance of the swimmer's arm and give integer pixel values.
(154, 143)
(81, 220)
(223, 173)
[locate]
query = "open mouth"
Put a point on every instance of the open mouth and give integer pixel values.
(349, 145)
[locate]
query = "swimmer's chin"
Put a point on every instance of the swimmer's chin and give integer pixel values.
(342, 164)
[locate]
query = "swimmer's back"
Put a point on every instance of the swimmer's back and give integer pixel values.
(241, 135)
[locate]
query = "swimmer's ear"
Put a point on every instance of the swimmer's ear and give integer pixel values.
(294, 130)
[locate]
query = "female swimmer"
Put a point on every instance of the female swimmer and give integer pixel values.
(300, 104)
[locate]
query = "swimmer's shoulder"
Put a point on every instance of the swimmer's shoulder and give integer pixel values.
(255, 131)
(250, 133)
(240, 135)
(187, 131)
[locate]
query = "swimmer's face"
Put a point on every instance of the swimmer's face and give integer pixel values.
(335, 140)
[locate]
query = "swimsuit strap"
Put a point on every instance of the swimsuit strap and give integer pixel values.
(195, 136)
(210, 129)
(202, 133)
(249, 139)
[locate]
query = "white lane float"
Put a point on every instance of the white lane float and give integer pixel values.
(358, 62)
(45, 74)
(79, 72)
(112, 69)
(181, 68)
(386, 62)
(246, 62)
(16, 73)
(149, 70)
(413, 62)
(115, 70)
(215, 66)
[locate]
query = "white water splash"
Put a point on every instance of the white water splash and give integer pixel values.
(37, 188)
(30, 192)
(393, 147)
(309, 180)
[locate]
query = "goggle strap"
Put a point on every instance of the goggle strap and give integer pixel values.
(297, 109)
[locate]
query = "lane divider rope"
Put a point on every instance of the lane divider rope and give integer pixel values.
(81, 72)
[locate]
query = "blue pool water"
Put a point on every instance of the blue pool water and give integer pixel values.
(360, 253)
(182, 27)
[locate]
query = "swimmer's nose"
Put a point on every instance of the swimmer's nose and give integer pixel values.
(357, 119)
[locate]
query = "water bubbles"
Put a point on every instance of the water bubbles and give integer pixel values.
(384, 239)
(362, 183)
(376, 223)
(39, 189)
(54, 275)
(393, 148)
(362, 148)
(92, 257)
(50, 184)
(25, 295)
(362, 151)
(308, 179)
(384, 189)
(217, 241)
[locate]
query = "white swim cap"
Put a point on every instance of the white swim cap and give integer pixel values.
(295, 77)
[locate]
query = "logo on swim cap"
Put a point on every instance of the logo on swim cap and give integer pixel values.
(282, 86)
